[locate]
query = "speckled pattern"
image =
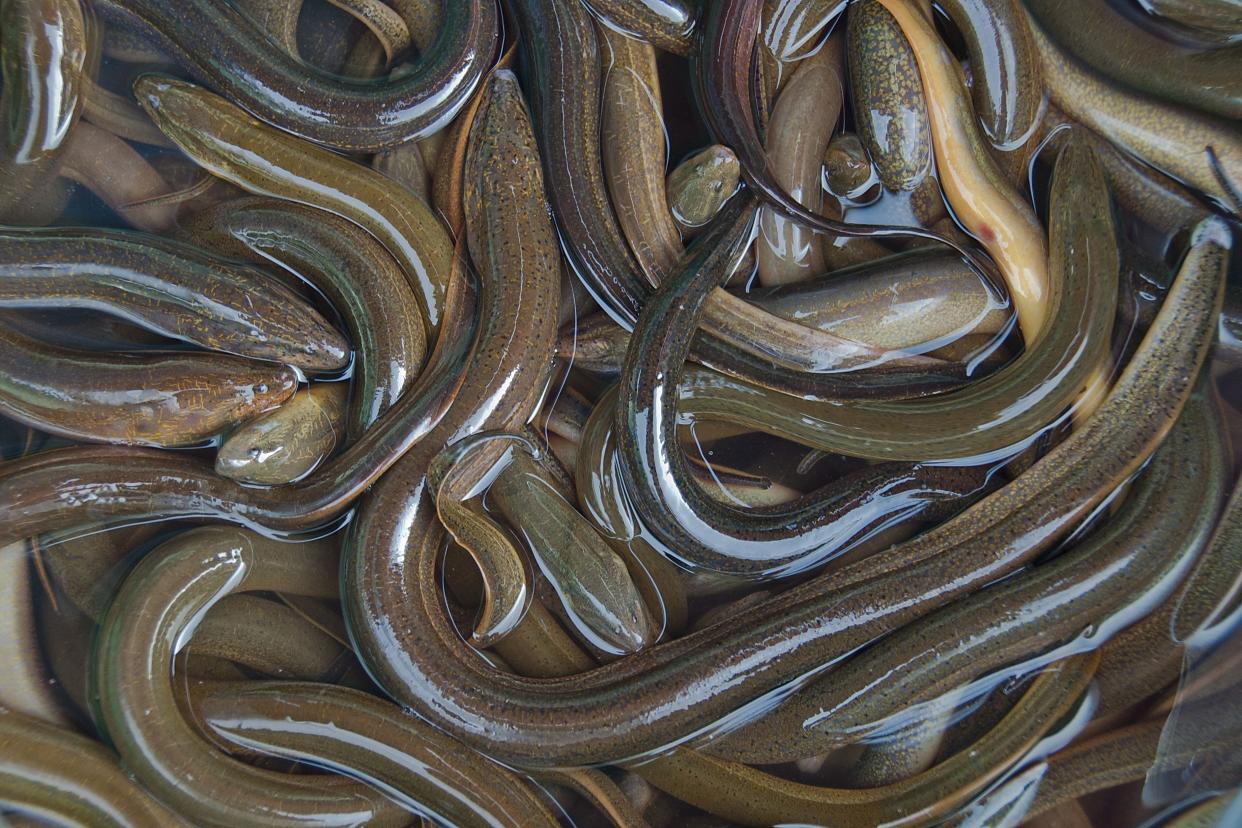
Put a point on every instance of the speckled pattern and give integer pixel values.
(668, 24)
(159, 400)
(168, 287)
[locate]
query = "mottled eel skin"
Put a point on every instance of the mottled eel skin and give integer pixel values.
(222, 44)
(664, 694)
(168, 287)
(168, 399)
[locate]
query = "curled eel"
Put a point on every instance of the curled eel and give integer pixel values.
(983, 200)
(1007, 86)
(455, 476)
(1120, 49)
(167, 287)
(705, 534)
(73, 487)
(43, 57)
(634, 706)
(228, 143)
(353, 270)
(288, 443)
(722, 70)
(752, 797)
(62, 776)
(151, 617)
(349, 114)
(1000, 413)
(1118, 574)
(514, 244)
(1196, 149)
(375, 741)
(169, 399)
(666, 24)
(590, 581)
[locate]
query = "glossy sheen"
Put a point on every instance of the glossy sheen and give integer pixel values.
(634, 152)
(373, 740)
(1007, 84)
(889, 111)
(151, 618)
(847, 166)
(59, 775)
(667, 24)
(753, 797)
(1004, 411)
(700, 185)
(40, 493)
(279, 88)
(589, 578)
(352, 269)
(169, 399)
(1215, 17)
(230, 144)
(802, 122)
(661, 694)
(514, 245)
(1107, 582)
(43, 54)
(722, 69)
(288, 443)
(1122, 50)
(708, 535)
(1172, 138)
(171, 288)
(984, 202)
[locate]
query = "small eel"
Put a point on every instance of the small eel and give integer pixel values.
(983, 200)
(1007, 86)
(638, 704)
(590, 580)
(699, 186)
(1196, 149)
(169, 399)
(1116, 47)
(43, 59)
(169, 287)
(709, 535)
(456, 475)
(722, 69)
(288, 443)
(375, 741)
(985, 419)
(363, 282)
(666, 24)
(72, 487)
(1119, 573)
(802, 122)
(230, 144)
(634, 152)
(151, 618)
(118, 174)
(66, 778)
(120, 115)
(752, 797)
(279, 88)
(1222, 18)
